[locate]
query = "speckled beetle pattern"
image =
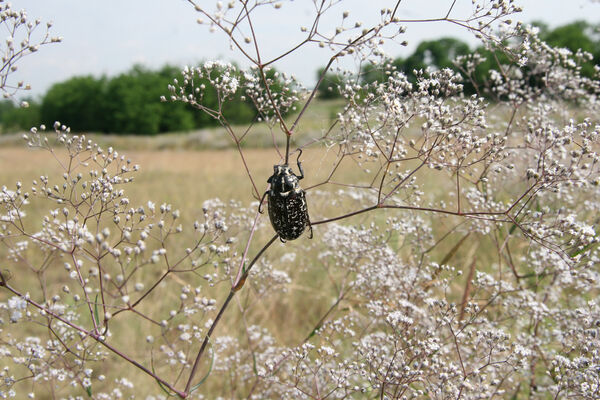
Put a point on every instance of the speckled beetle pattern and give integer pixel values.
(287, 202)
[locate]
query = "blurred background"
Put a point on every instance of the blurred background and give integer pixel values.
(117, 58)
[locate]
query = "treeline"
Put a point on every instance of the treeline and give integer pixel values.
(130, 103)
(125, 104)
(440, 54)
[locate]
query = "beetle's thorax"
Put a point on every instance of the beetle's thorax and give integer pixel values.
(283, 181)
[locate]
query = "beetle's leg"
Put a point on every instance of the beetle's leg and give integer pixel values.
(300, 165)
(282, 241)
(308, 220)
(264, 195)
(261, 202)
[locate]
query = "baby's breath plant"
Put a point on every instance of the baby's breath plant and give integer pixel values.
(23, 38)
(455, 252)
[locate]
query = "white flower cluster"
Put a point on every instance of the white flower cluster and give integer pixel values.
(113, 257)
(271, 94)
(24, 38)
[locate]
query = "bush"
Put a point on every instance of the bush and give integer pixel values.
(134, 104)
(130, 103)
(19, 118)
(444, 52)
(81, 101)
(332, 85)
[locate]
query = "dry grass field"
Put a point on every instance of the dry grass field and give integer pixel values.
(186, 179)
(185, 175)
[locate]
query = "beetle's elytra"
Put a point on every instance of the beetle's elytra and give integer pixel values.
(287, 202)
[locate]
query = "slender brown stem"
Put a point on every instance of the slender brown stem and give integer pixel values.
(287, 148)
(240, 282)
(467, 292)
(245, 255)
(206, 340)
(237, 286)
(476, 214)
(458, 189)
(331, 60)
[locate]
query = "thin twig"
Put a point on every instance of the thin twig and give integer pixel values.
(236, 287)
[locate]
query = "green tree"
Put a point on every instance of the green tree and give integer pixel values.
(236, 110)
(134, 106)
(134, 102)
(437, 54)
(330, 87)
(14, 118)
(79, 102)
(128, 103)
(6, 109)
(574, 36)
(543, 27)
(376, 73)
(173, 116)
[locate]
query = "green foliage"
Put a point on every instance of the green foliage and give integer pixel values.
(15, 118)
(130, 104)
(482, 72)
(7, 109)
(574, 36)
(78, 102)
(236, 110)
(330, 87)
(436, 54)
(371, 73)
(440, 53)
(133, 104)
(543, 28)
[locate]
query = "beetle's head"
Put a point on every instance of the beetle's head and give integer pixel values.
(282, 169)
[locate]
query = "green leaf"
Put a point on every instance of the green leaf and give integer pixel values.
(513, 226)
(484, 189)
(314, 331)
(453, 251)
(583, 250)
(254, 364)
(96, 311)
(89, 390)
(212, 362)
(164, 389)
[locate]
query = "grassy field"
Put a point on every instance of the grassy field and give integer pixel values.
(177, 169)
(186, 179)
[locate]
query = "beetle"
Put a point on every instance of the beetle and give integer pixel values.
(287, 202)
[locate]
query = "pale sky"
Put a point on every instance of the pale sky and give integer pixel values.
(110, 36)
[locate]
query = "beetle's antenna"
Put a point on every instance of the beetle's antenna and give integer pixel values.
(287, 149)
(300, 164)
